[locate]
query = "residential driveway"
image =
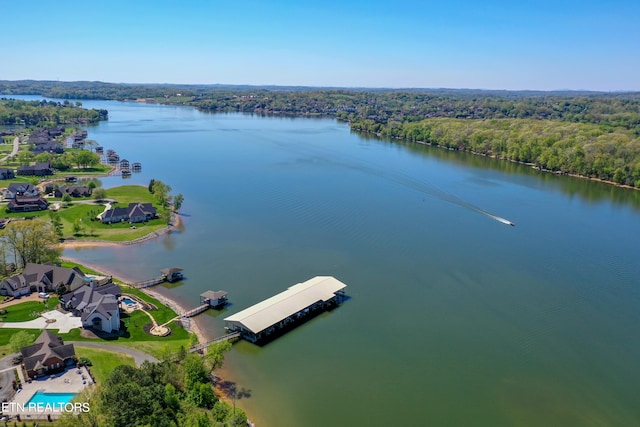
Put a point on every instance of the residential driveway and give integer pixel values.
(64, 322)
(33, 297)
(7, 369)
(138, 356)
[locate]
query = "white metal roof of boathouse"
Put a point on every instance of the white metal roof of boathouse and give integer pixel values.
(260, 316)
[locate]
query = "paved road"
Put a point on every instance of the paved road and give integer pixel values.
(138, 356)
(6, 377)
(16, 146)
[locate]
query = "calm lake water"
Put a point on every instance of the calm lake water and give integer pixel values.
(453, 319)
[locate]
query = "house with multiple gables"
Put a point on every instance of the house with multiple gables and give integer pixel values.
(48, 354)
(7, 173)
(27, 204)
(97, 306)
(73, 191)
(52, 147)
(135, 212)
(39, 169)
(43, 140)
(42, 278)
(20, 189)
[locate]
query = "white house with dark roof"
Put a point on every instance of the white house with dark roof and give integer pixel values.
(97, 306)
(20, 189)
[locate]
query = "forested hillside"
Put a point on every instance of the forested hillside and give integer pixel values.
(592, 134)
(40, 113)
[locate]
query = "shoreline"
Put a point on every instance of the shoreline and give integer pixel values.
(176, 224)
(532, 165)
(192, 326)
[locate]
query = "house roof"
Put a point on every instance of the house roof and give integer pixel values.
(89, 299)
(213, 295)
(296, 298)
(21, 187)
(141, 209)
(169, 271)
(37, 166)
(116, 213)
(47, 345)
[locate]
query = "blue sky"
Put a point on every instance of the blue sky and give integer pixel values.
(542, 45)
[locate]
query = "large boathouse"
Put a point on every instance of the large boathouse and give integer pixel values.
(273, 316)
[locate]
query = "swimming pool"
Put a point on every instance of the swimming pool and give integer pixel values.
(128, 301)
(43, 398)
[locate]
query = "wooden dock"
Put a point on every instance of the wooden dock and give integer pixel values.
(223, 338)
(197, 310)
(148, 283)
(168, 275)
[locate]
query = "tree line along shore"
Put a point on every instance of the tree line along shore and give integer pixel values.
(587, 134)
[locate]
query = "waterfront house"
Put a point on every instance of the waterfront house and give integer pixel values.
(48, 354)
(97, 306)
(42, 278)
(134, 213)
(115, 215)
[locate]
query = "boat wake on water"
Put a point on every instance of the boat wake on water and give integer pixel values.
(401, 178)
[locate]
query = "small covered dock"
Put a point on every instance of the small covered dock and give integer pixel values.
(215, 299)
(274, 316)
(172, 274)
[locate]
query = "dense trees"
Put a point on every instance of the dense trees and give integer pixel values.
(32, 240)
(20, 340)
(178, 200)
(584, 149)
(32, 113)
(171, 394)
(593, 134)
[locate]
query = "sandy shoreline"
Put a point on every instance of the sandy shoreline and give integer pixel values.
(193, 324)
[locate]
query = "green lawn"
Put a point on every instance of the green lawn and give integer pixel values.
(137, 339)
(5, 214)
(103, 361)
(7, 333)
(28, 310)
(85, 270)
(126, 194)
(120, 232)
(96, 230)
(162, 314)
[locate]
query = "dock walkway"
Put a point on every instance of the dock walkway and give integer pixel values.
(197, 310)
(223, 338)
(148, 283)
